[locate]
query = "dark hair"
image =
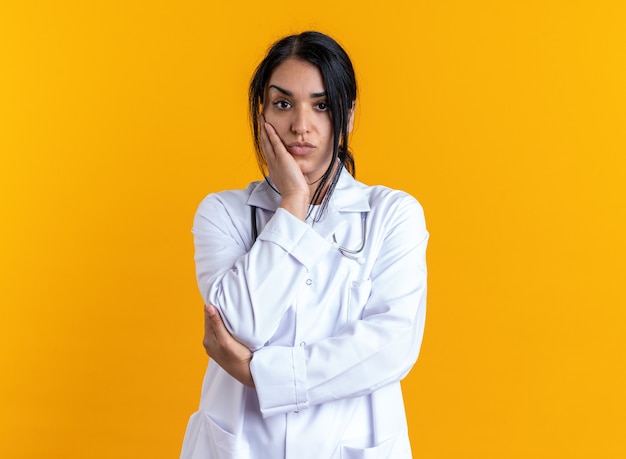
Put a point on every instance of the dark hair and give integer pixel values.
(341, 89)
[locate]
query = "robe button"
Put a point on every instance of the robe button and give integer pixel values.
(309, 282)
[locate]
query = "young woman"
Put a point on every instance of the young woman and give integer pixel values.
(315, 283)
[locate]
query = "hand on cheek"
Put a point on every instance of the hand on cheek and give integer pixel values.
(284, 172)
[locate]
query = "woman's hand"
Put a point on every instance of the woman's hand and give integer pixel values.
(285, 173)
(229, 353)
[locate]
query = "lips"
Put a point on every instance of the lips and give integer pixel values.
(300, 148)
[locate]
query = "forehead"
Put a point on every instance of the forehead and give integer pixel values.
(295, 74)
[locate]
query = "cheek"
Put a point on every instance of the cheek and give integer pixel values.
(277, 121)
(326, 127)
(328, 134)
(279, 126)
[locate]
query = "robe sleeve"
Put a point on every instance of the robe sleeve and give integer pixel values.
(378, 349)
(251, 289)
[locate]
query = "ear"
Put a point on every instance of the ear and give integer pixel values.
(351, 117)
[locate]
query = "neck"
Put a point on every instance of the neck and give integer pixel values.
(315, 184)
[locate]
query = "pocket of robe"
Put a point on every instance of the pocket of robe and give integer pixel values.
(359, 294)
(223, 444)
(381, 451)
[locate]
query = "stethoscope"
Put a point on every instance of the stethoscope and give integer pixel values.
(348, 253)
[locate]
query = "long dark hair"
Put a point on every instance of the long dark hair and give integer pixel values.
(341, 89)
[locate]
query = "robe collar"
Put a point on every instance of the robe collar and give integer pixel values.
(348, 197)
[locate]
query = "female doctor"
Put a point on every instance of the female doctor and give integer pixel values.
(315, 283)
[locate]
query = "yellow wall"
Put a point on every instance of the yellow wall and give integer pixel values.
(506, 119)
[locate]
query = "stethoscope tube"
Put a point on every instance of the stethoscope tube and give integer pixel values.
(353, 253)
(255, 231)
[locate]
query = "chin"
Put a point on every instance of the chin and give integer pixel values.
(314, 170)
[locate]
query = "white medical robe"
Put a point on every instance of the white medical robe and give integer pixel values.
(331, 336)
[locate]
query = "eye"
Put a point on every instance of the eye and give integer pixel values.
(281, 104)
(322, 106)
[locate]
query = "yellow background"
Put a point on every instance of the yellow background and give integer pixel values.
(505, 119)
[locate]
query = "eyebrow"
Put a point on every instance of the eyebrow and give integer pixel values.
(290, 94)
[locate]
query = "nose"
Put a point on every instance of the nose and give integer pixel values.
(300, 124)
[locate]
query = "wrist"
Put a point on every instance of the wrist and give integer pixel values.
(296, 204)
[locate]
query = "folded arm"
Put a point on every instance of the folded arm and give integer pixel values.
(252, 287)
(366, 354)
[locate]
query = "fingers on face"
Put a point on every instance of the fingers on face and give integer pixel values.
(276, 142)
(270, 140)
(265, 141)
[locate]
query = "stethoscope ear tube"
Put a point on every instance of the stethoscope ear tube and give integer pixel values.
(255, 231)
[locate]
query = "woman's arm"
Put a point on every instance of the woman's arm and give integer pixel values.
(228, 353)
(366, 354)
(252, 290)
